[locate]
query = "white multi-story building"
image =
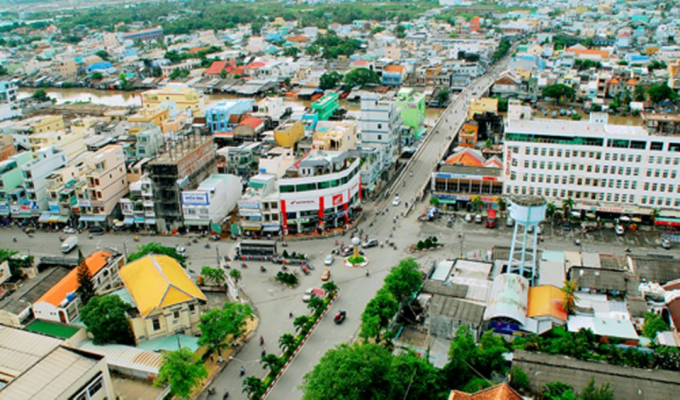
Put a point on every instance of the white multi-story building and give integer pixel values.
(35, 177)
(604, 168)
(211, 201)
(9, 106)
(380, 126)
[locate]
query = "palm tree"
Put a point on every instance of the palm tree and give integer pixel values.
(300, 322)
(330, 287)
(550, 209)
(315, 305)
(235, 275)
(272, 362)
(287, 343)
(477, 203)
(570, 298)
(567, 205)
(655, 214)
(253, 387)
(502, 204)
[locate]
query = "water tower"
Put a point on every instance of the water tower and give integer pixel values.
(527, 212)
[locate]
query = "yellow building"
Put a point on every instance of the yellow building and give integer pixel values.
(289, 133)
(46, 123)
(71, 143)
(180, 97)
(145, 116)
(335, 136)
(674, 75)
(485, 104)
(167, 300)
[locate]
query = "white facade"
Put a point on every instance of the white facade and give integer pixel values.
(9, 107)
(212, 201)
(380, 124)
(608, 167)
(36, 173)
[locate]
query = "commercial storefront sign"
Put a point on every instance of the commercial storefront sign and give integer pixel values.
(195, 199)
(54, 207)
(252, 204)
(84, 203)
(337, 200)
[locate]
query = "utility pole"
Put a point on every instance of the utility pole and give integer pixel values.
(462, 244)
(429, 328)
(217, 251)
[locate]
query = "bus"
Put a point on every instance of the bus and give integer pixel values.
(256, 248)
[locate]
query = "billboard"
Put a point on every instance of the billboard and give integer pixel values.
(195, 199)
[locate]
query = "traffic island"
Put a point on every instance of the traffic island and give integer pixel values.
(355, 262)
(428, 244)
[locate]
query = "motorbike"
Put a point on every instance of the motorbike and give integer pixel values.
(227, 259)
(263, 269)
(211, 391)
(244, 265)
(14, 239)
(242, 371)
(283, 267)
(207, 245)
(226, 395)
(577, 242)
(136, 238)
(305, 270)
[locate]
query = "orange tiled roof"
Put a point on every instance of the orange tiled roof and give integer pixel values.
(601, 53)
(498, 392)
(632, 82)
(251, 122)
(394, 68)
(57, 293)
(197, 49)
(465, 158)
(298, 39)
(614, 81)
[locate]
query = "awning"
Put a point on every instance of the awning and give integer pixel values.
(667, 222)
(93, 218)
(150, 221)
(196, 222)
(447, 201)
(129, 220)
(44, 217)
(271, 228)
(139, 220)
(58, 218)
(4, 212)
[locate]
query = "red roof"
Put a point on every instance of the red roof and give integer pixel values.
(498, 392)
(255, 65)
(298, 39)
(360, 63)
(252, 122)
(216, 68)
(394, 68)
(57, 293)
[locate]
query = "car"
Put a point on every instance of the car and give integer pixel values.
(348, 251)
(329, 259)
(396, 201)
(313, 292)
(97, 230)
(340, 316)
(326, 274)
(619, 230)
(666, 244)
(509, 222)
(468, 217)
(478, 218)
(68, 230)
(182, 251)
(370, 243)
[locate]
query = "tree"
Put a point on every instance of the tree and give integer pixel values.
(361, 371)
(558, 92)
(434, 201)
(654, 323)
(550, 209)
(639, 93)
(315, 305)
(155, 248)
(287, 343)
(477, 203)
(377, 314)
(557, 391)
(182, 370)
(223, 73)
(312, 50)
(330, 287)
(329, 80)
(103, 54)
(443, 96)
(361, 77)
(291, 52)
(301, 322)
(124, 84)
(404, 279)
(218, 324)
(214, 274)
(570, 298)
(415, 378)
(400, 30)
(568, 204)
(254, 387)
(272, 362)
(519, 380)
(97, 76)
(659, 93)
(655, 214)
(604, 392)
(40, 95)
(106, 319)
(235, 275)
(85, 286)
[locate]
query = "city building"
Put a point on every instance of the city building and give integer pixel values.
(210, 203)
(38, 366)
(72, 142)
(106, 184)
(326, 106)
(412, 105)
(218, 115)
(7, 148)
(240, 160)
(164, 298)
(61, 304)
(35, 182)
(11, 177)
(9, 107)
(335, 136)
(289, 133)
(320, 190)
(380, 126)
(145, 116)
(393, 75)
(138, 206)
(148, 142)
(606, 169)
(178, 97)
(180, 168)
(144, 34)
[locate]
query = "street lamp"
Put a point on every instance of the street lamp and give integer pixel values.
(356, 242)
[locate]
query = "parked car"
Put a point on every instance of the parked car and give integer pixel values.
(619, 230)
(370, 243)
(396, 201)
(340, 316)
(666, 244)
(68, 230)
(509, 222)
(329, 259)
(468, 217)
(182, 251)
(326, 274)
(96, 230)
(478, 218)
(313, 292)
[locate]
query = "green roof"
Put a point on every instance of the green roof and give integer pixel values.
(52, 329)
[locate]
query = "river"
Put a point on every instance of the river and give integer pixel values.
(133, 98)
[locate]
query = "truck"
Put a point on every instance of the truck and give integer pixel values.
(491, 219)
(69, 244)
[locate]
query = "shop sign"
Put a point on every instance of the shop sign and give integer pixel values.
(195, 199)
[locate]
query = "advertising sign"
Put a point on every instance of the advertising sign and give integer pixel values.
(54, 207)
(195, 199)
(83, 203)
(252, 204)
(337, 200)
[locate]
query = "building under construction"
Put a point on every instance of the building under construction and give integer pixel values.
(182, 167)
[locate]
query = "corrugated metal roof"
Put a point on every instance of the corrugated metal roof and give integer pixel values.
(126, 357)
(20, 350)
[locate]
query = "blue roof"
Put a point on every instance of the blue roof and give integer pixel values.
(100, 65)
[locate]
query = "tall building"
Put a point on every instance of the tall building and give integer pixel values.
(106, 184)
(36, 173)
(604, 168)
(182, 167)
(180, 98)
(380, 126)
(9, 107)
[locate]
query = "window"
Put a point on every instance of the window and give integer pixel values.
(192, 308)
(96, 386)
(156, 324)
(175, 315)
(656, 146)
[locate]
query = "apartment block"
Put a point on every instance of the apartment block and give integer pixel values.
(106, 184)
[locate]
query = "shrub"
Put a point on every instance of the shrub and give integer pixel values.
(285, 253)
(420, 245)
(286, 278)
(428, 243)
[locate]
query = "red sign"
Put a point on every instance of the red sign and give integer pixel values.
(337, 200)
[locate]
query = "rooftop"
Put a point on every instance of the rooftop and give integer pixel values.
(32, 290)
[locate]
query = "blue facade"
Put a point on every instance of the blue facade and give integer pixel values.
(218, 115)
(391, 78)
(98, 66)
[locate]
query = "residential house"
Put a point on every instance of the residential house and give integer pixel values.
(218, 115)
(164, 298)
(335, 136)
(249, 128)
(146, 116)
(326, 106)
(289, 133)
(380, 125)
(412, 105)
(9, 106)
(501, 391)
(393, 75)
(178, 97)
(35, 176)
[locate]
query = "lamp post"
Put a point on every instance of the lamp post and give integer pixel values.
(356, 242)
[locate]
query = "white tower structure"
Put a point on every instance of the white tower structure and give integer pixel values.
(526, 211)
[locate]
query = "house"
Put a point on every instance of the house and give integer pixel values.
(100, 66)
(546, 303)
(507, 85)
(393, 75)
(217, 67)
(502, 391)
(165, 300)
(289, 133)
(60, 303)
(249, 128)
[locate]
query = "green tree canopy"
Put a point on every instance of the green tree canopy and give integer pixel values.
(182, 370)
(103, 54)
(592, 392)
(557, 391)
(291, 52)
(659, 93)
(155, 248)
(654, 323)
(361, 77)
(106, 319)
(218, 324)
(214, 274)
(40, 95)
(329, 80)
(377, 315)
(97, 76)
(254, 387)
(404, 279)
(558, 92)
